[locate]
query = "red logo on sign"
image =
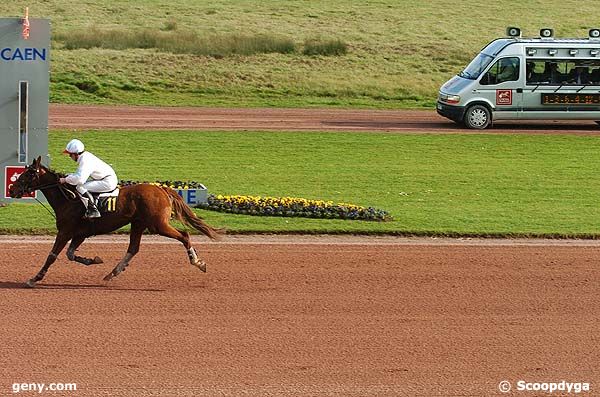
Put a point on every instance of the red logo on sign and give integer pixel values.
(503, 97)
(11, 174)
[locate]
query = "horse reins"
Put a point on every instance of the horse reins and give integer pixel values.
(46, 208)
(61, 188)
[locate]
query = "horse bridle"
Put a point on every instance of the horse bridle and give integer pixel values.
(68, 194)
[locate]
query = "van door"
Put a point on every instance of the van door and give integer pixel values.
(502, 85)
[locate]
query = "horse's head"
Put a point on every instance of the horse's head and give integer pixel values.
(34, 176)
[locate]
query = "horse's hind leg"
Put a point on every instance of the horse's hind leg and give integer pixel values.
(59, 244)
(134, 246)
(75, 243)
(165, 229)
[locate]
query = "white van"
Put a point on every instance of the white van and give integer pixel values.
(529, 79)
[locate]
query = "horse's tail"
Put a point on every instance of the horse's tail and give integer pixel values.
(184, 213)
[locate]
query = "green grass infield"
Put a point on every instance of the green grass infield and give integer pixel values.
(432, 185)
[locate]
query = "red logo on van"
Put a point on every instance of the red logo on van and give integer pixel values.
(503, 97)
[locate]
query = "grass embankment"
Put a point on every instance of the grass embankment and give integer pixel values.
(398, 52)
(474, 185)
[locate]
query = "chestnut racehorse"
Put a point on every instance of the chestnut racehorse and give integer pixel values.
(145, 206)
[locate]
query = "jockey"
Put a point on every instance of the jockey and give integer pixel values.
(102, 176)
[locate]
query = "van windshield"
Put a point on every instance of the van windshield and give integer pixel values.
(476, 66)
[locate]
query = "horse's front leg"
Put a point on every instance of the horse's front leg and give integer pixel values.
(75, 243)
(59, 243)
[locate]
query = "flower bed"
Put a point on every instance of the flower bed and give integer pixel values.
(177, 185)
(277, 206)
(291, 206)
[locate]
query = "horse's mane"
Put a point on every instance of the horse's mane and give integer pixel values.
(57, 173)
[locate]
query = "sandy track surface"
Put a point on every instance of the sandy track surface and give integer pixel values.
(171, 118)
(300, 315)
(270, 318)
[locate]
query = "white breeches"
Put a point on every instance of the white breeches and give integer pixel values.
(107, 184)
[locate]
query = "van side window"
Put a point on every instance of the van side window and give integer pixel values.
(505, 69)
(554, 72)
(535, 72)
(561, 72)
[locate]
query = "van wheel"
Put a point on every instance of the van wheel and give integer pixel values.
(478, 117)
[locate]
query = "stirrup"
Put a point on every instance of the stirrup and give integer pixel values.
(92, 213)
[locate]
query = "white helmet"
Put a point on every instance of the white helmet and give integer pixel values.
(74, 146)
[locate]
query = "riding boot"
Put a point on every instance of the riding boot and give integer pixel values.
(92, 209)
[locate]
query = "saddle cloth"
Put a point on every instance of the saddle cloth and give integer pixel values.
(106, 202)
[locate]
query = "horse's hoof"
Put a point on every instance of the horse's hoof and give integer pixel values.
(200, 265)
(30, 283)
(97, 260)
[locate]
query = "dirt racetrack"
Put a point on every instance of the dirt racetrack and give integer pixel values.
(303, 316)
(181, 118)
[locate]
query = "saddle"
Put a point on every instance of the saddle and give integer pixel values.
(106, 201)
